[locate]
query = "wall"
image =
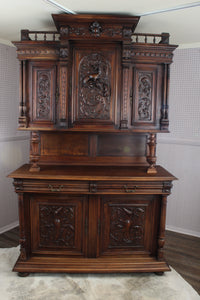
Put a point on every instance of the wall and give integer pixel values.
(13, 145)
(179, 151)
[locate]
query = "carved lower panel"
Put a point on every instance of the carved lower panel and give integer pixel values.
(126, 226)
(57, 225)
(94, 87)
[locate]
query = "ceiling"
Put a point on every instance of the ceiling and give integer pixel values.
(182, 24)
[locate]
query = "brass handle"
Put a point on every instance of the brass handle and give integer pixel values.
(130, 191)
(53, 189)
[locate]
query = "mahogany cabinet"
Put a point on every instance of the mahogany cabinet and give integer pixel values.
(93, 94)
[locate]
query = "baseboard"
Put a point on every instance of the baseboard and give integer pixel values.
(183, 231)
(9, 227)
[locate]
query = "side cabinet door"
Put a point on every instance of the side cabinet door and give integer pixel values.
(42, 94)
(146, 104)
(57, 224)
(129, 224)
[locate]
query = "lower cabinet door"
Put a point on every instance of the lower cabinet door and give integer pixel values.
(129, 224)
(57, 224)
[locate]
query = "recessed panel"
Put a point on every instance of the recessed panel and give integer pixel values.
(121, 145)
(64, 144)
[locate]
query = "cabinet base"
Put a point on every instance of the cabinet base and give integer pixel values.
(90, 265)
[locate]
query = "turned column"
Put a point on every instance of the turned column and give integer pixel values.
(151, 154)
(161, 236)
(24, 251)
(22, 95)
(35, 151)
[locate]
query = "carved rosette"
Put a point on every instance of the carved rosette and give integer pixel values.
(57, 225)
(95, 29)
(145, 96)
(127, 226)
(43, 95)
(94, 90)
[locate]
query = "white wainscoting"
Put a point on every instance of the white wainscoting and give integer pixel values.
(182, 158)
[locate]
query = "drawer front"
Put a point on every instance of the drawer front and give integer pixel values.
(130, 187)
(53, 186)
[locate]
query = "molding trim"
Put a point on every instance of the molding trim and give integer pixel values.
(178, 141)
(7, 43)
(183, 231)
(187, 46)
(9, 227)
(14, 138)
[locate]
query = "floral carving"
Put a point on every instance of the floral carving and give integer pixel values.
(127, 226)
(95, 28)
(57, 225)
(94, 87)
(43, 95)
(145, 96)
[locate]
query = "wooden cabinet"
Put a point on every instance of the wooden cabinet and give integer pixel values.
(94, 95)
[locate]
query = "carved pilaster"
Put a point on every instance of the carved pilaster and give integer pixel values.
(35, 151)
(161, 237)
(22, 240)
(164, 122)
(126, 55)
(151, 154)
(22, 95)
(62, 92)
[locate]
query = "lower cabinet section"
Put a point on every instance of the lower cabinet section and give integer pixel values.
(90, 233)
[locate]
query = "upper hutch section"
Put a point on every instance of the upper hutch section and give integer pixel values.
(94, 74)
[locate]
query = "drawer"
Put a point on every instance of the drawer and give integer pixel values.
(124, 187)
(53, 186)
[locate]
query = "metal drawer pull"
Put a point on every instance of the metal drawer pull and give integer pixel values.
(53, 189)
(130, 191)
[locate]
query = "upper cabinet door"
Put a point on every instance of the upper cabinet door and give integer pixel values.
(42, 95)
(146, 104)
(95, 84)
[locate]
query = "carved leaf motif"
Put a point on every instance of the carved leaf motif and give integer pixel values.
(94, 87)
(127, 226)
(145, 96)
(57, 226)
(43, 95)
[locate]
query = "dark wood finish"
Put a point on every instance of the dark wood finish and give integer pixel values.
(93, 95)
(60, 218)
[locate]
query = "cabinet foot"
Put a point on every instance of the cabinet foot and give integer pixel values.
(23, 274)
(159, 273)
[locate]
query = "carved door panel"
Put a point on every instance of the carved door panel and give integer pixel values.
(95, 84)
(42, 94)
(129, 224)
(146, 104)
(57, 224)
